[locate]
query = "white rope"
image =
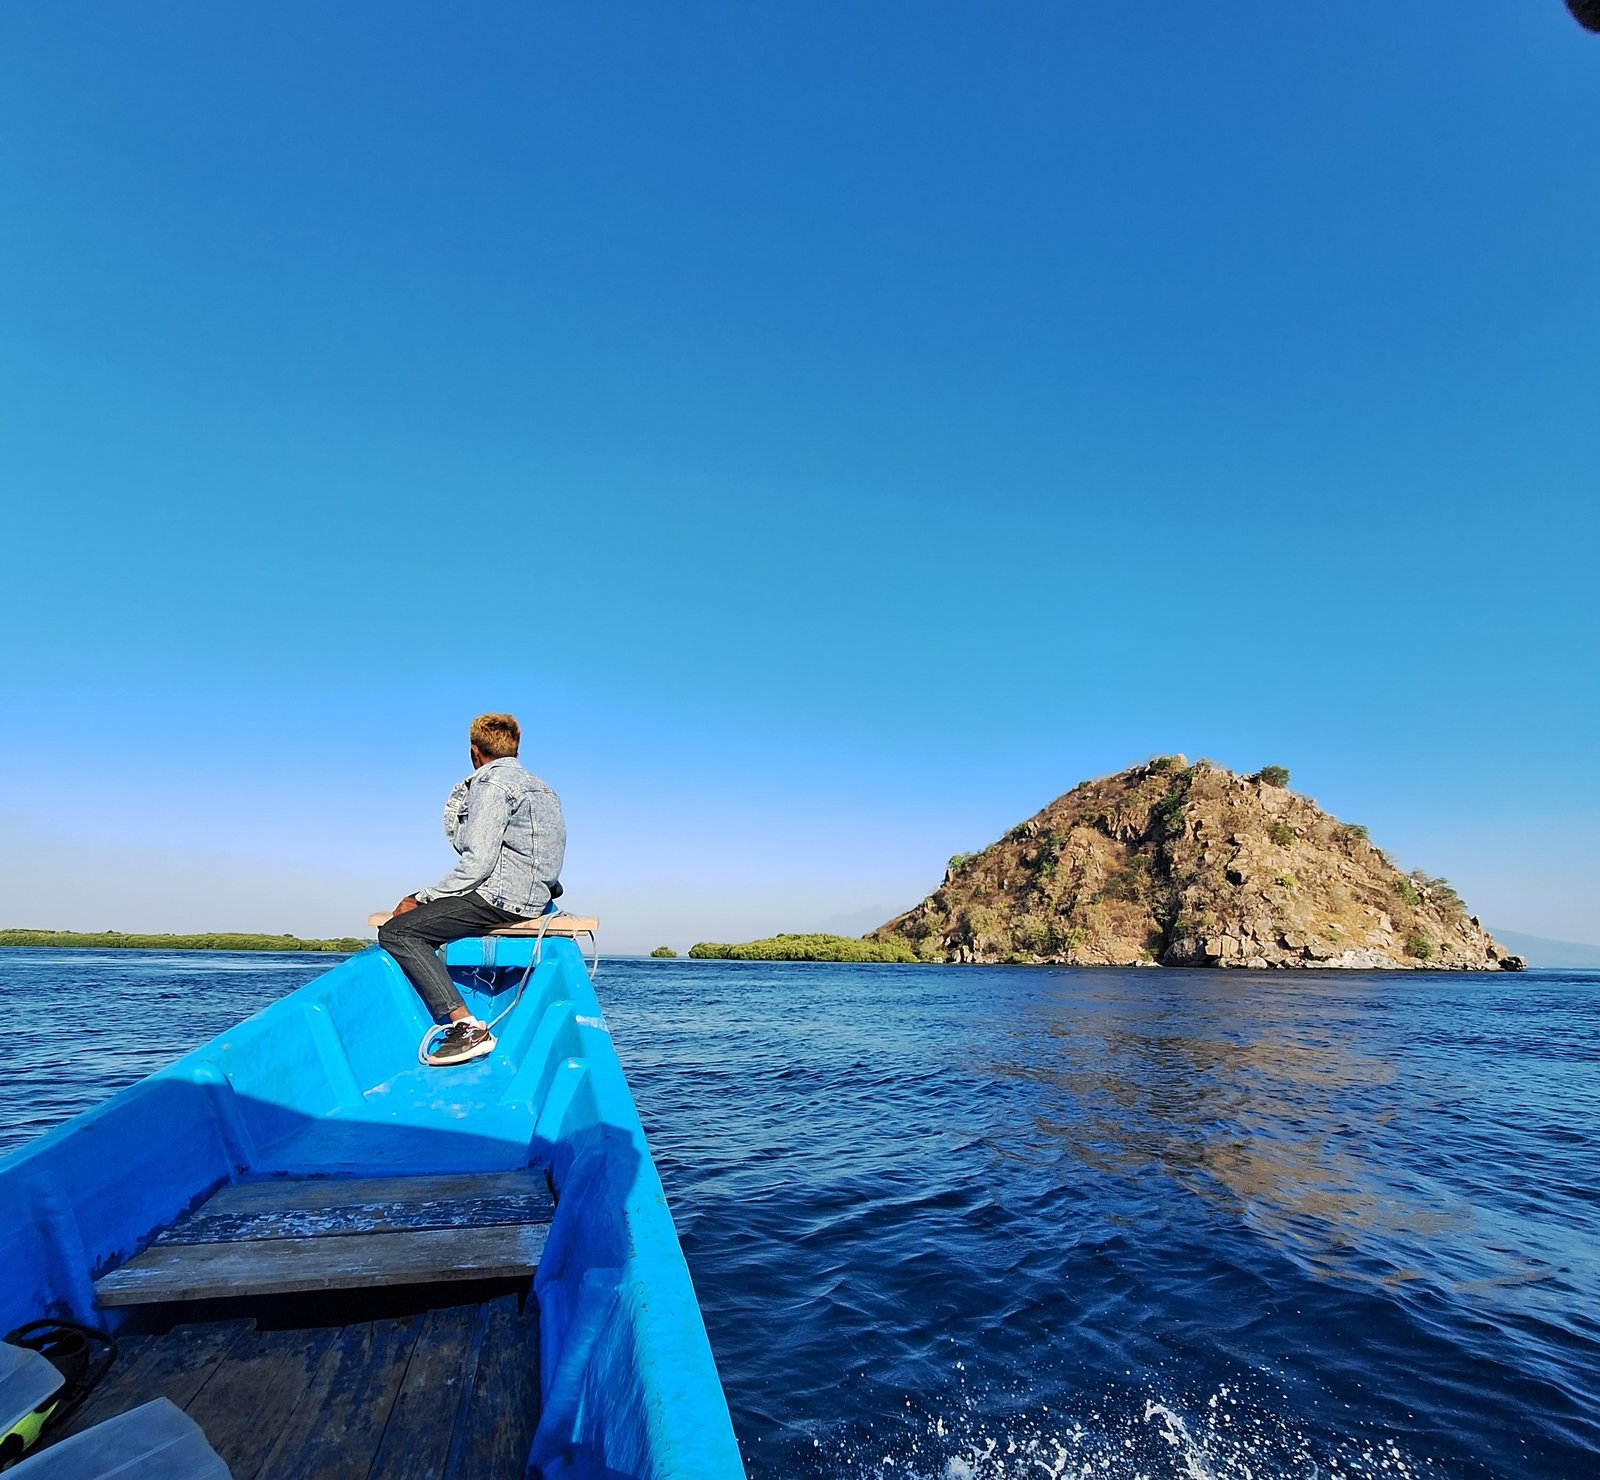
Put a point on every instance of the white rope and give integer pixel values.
(436, 1030)
(533, 962)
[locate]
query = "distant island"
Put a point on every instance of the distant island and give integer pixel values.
(805, 948)
(114, 940)
(1172, 864)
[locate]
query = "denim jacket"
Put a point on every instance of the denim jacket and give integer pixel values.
(506, 824)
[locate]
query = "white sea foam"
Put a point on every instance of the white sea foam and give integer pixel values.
(1228, 1435)
(1176, 1433)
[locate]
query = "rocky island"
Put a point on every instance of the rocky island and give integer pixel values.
(1174, 864)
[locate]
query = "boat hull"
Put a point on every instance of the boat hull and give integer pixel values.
(326, 1083)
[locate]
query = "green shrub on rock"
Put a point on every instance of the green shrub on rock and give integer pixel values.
(981, 920)
(1034, 933)
(1442, 889)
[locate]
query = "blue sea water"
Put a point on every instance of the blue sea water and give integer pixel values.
(959, 1223)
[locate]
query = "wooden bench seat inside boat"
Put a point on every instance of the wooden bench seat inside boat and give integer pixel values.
(341, 1233)
(559, 925)
(565, 925)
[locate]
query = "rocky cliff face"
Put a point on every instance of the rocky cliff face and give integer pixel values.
(1179, 865)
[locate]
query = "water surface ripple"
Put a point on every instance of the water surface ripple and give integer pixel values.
(955, 1223)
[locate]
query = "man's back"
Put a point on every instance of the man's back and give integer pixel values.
(510, 821)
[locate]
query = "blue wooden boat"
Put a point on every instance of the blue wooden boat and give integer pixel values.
(337, 1261)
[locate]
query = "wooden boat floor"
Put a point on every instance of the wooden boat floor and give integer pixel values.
(444, 1391)
(290, 1235)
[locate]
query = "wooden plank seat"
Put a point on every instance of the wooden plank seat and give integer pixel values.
(567, 925)
(281, 1237)
(559, 925)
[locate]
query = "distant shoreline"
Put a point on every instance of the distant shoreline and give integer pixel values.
(113, 940)
(807, 947)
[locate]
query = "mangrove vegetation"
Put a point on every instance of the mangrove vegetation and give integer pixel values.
(806, 948)
(115, 940)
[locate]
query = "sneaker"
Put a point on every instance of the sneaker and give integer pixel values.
(468, 1039)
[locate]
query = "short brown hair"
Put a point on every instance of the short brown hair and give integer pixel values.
(496, 735)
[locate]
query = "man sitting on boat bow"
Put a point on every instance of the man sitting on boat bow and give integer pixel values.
(507, 826)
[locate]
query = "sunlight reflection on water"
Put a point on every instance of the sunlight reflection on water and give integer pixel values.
(956, 1224)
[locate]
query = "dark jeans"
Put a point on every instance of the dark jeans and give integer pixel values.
(412, 939)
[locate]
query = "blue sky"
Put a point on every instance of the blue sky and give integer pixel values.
(834, 430)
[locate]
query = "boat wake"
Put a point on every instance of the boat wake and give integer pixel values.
(1230, 1437)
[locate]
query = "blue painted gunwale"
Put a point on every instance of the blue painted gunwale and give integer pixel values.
(325, 1082)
